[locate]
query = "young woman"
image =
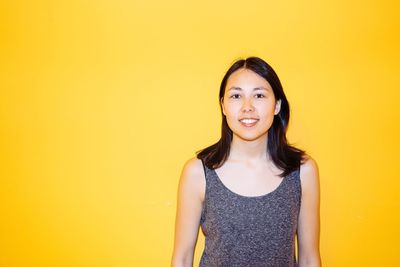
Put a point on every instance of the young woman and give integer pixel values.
(251, 192)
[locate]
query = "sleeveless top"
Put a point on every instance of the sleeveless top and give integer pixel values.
(254, 231)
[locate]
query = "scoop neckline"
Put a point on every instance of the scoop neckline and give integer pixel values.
(250, 197)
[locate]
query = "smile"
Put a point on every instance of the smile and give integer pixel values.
(248, 122)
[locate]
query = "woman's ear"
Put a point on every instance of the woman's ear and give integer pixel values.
(222, 105)
(277, 106)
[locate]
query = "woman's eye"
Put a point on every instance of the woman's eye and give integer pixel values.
(235, 96)
(259, 95)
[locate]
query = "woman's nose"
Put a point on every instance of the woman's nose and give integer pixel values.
(247, 105)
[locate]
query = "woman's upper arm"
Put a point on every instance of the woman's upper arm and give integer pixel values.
(309, 218)
(188, 213)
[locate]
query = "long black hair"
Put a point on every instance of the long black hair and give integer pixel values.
(286, 157)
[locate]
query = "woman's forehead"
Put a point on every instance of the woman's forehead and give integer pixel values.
(245, 79)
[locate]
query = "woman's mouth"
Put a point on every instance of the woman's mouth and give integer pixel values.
(249, 122)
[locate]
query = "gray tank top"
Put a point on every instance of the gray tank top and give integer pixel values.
(250, 231)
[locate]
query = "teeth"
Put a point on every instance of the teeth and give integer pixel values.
(248, 120)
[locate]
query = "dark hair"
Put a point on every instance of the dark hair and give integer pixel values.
(286, 157)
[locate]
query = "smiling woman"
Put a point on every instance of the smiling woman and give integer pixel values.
(251, 192)
(249, 106)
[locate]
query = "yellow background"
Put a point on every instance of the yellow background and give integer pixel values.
(102, 102)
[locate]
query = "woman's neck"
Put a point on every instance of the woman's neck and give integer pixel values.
(242, 150)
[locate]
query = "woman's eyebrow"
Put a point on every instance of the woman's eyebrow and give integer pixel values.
(255, 89)
(260, 88)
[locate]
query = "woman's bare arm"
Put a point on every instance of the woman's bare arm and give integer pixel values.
(191, 191)
(309, 218)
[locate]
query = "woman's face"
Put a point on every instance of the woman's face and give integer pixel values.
(249, 105)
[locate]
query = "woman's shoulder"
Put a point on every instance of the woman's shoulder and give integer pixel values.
(309, 173)
(193, 176)
(193, 167)
(308, 164)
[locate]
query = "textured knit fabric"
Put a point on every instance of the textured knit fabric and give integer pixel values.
(250, 231)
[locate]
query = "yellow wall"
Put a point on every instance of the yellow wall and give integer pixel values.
(101, 103)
